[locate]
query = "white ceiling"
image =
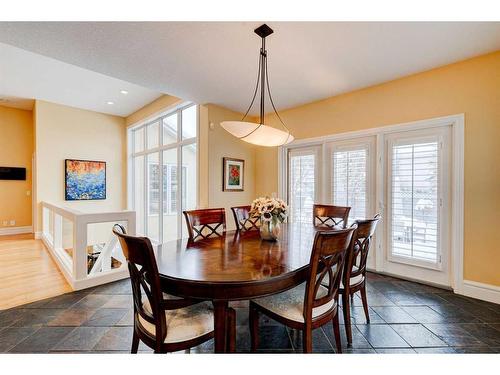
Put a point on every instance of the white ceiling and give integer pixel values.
(216, 62)
(26, 76)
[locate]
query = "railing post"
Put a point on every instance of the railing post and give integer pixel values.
(80, 249)
(45, 220)
(57, 240)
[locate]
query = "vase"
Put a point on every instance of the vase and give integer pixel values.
(270, 230)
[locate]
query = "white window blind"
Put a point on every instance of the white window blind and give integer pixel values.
(302, 182)
(350, 181)
(415, 200)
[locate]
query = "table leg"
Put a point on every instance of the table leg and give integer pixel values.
(231, 330)
(220, 324)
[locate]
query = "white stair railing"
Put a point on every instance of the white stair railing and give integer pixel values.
(73, 238)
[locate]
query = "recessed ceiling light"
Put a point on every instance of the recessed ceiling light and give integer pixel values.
(124, 92)
(110, 103)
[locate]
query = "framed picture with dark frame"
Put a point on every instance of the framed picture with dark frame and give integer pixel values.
(233, 174)
(84, 180)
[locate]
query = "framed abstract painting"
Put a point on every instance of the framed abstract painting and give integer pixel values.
(233, 174)
(84, 180)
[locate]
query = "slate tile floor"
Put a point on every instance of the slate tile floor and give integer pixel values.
(406, 317)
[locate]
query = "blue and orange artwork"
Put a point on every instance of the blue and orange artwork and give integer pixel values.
(85, 180)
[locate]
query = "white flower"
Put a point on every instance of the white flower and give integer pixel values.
(268, 208)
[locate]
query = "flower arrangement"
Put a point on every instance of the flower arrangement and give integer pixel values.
(268, 208)
(272, 212)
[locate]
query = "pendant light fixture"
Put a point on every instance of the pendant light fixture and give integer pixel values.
(260, 134)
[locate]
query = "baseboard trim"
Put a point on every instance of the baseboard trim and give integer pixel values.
(485, 292)
(406, 278)
(38, 235)
(15, 230)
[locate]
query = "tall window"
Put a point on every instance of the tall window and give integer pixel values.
(163, 150)
(170, 188)
(414, 199)
(349, 180)
(302, 185)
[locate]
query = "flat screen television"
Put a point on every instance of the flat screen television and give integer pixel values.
(12, 173)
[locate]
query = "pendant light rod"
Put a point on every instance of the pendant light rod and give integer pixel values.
(254, 133)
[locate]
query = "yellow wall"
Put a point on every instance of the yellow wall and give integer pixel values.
(471, 87)
(71, 133)
(222, 144)
(152, 109)
(16, 150)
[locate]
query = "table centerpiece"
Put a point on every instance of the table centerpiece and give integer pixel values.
(272, 212)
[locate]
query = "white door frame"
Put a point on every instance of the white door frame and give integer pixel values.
(456, 122)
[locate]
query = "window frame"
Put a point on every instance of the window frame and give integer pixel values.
(306, 151)
(452, 272)
(178, 146)
(367, 143)
(410, 138)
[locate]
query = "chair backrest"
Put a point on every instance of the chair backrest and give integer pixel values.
(205, 223)
(356, 263)
(330, 216)
(145, 278)
(329, 253)
(243, 220)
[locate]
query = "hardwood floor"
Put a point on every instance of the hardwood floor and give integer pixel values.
(28, 273)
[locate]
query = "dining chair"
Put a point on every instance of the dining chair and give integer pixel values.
(354, 279)
(243, 220)
(163, 322)
(205, 223)
(310, 305)
(330, 216)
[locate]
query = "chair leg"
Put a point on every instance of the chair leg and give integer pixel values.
(231, 330)
(336, 332)
(135, 343)
(254, 327)
(365, 303)
(347, 316)
(307, 340)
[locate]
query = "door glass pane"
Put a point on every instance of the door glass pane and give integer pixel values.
(189, 180)
(170, 188)
(139, 140)
(189, 122)
(139, 195)
(349, 181)
(302, 187)
(170, 129)
(153, 134)
(153, 186)
(415, 201)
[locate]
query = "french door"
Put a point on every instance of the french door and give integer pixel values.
(350, 171)
(418, 204)
(304, 185)
(403, 175)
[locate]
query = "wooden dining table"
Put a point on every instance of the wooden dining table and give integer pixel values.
(235, 266)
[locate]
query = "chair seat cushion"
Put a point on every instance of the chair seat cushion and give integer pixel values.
(352, 281)
(290, 304)
(183, 324)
